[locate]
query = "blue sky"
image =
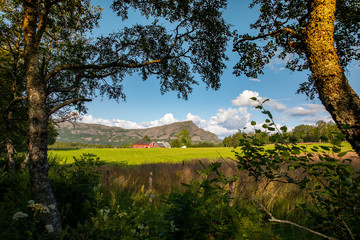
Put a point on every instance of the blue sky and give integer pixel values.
(222, 112)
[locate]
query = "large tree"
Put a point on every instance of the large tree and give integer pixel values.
(64, 67)
(13, 125)
(319, 35)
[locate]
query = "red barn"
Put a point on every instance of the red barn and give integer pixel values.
(144, 144)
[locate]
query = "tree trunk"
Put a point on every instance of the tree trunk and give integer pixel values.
(339, 99)
(9, 144)
(11, 154)
(38, 116)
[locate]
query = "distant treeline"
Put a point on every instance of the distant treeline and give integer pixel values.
(66, 145)
(321, 132)
(71, 146)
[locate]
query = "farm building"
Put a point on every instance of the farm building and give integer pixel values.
(163, 145)
(145, 144)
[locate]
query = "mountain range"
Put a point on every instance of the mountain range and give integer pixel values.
(104, 135)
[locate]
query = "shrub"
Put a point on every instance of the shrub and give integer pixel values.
(73, 187)
(333, 184)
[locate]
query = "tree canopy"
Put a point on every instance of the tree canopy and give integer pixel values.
(63, 67)
(322, 36)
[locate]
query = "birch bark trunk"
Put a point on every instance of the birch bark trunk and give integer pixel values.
(38, 116)
(339, 99)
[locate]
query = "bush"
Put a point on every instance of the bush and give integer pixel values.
(73, 186)
(333, 184)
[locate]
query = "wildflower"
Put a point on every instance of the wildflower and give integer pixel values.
(122, 214)
(49, 228)
(104, 213)
(31, 202)
(39, 207)
(52, 207)
(19, 215)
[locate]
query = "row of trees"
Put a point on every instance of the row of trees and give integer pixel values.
(321, 132)
(50, 65)
(183, 138)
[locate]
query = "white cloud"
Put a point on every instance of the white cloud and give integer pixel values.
(310, 114)
(312, 110)
(166, 119)
(224, 123)
(277, 64)
(244, 100)
(254, 79)
(314, 120)
(228, 121)
(197, 120)
(113, 122)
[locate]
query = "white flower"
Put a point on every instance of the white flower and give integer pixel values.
(19, 215)
(49, 228)
(31, 202)
(52, 207)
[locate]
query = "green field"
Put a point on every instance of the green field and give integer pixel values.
(132, 156)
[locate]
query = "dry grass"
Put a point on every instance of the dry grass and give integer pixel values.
(127, 181)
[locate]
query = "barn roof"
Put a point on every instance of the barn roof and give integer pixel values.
(143, 143)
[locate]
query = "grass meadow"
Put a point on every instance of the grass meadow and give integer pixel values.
(160, 194)
(131, 156)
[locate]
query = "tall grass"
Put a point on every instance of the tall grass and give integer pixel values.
(282, 199)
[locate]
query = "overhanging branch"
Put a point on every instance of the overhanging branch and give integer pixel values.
(273, 219)
(290, 31)
(68, 102)
(15, 100)
(64, 67)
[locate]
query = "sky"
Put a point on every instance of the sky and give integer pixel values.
(222, 112)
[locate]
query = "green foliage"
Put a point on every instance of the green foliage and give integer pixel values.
(73, 187)
(332, 183)
(184, 137)
(203, 144)
(68, 146)
(321, 132)
(203, 211)
(176, 143)
(92, 210)
(146, 138)
(281, 26)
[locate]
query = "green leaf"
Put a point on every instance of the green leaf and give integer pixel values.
(341, 154)
(253, 98)
(265, 126)
(325, 148)
(266, 100)
(336, 141)
(336, 149)
(283, 128)
(253, 123)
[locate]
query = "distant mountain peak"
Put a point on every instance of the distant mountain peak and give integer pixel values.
(103, 135)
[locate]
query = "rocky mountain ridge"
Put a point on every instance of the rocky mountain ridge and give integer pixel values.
(105, 135)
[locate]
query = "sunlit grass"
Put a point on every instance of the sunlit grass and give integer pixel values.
(153, 155)
(132, 156)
